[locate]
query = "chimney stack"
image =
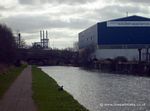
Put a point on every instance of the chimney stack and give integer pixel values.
(40, 34)
(44, 38)
(46, 34)
(43, 34)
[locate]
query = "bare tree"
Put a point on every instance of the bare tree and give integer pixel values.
(76, 46)
(85, 54)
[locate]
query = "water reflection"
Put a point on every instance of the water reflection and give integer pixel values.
(101, 91)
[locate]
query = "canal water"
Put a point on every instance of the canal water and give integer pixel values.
(102, 91)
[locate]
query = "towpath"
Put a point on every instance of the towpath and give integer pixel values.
(19, 96)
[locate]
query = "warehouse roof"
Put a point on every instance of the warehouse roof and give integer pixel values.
(130, 18)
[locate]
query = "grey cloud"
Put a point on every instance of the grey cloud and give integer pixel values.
(115, 11)
(31, 2)
(72, 1)
(58, 35)
(28, 1)
(27, 23)
(6, 10)
(80, 23)
(2, 8)
(134, 1)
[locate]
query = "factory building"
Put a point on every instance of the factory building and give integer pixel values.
(128, 37)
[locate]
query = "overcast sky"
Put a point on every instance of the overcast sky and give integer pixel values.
(64, 19)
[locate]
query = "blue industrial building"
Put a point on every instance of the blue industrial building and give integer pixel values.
(128, 37)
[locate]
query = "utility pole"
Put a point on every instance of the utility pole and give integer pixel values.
(140, 54)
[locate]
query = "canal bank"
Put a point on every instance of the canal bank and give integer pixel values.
(48, 97)
(120, 66)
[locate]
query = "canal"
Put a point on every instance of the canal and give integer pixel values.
(101, 91)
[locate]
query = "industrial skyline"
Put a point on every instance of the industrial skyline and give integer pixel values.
(64, 20)
(44, 40)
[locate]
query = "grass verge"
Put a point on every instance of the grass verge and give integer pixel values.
(48, 97)
(7, 78)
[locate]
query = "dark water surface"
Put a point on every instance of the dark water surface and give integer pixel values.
(101, 91)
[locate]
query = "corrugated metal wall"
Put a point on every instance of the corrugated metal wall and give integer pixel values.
(123, 35)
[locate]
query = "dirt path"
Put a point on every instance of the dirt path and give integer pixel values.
(19, 96)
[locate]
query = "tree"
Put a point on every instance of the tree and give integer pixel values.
(7, 45)
(20, 42)
(76, 46)
(85, 54)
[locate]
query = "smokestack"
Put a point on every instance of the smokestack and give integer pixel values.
(46, 34)
(43, 34)
(40, 34)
